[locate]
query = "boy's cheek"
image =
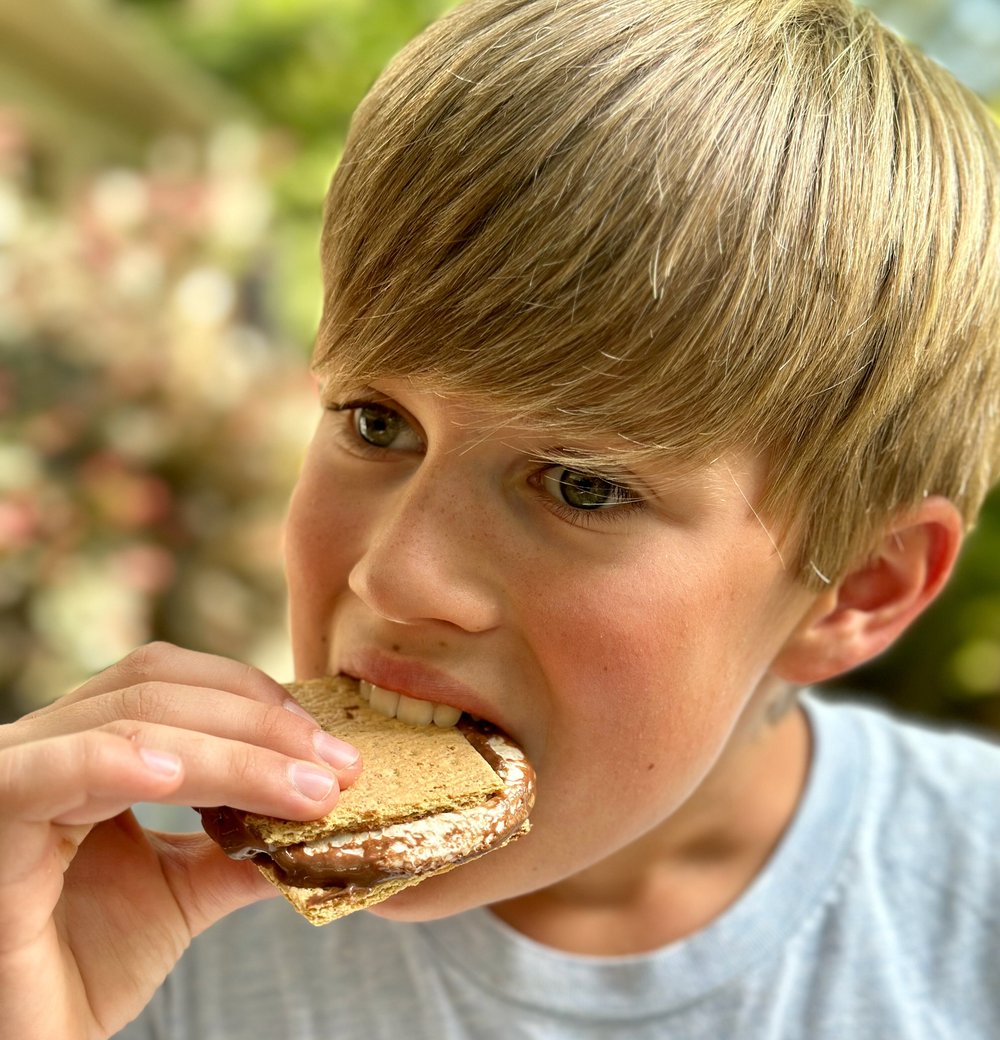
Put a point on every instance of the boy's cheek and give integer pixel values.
(317, 548)
(324, 528)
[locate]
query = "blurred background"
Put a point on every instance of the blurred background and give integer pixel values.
(162, 168)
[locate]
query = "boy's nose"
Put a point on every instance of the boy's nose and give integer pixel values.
(427, 558)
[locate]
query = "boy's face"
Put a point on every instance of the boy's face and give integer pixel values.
(616, 625)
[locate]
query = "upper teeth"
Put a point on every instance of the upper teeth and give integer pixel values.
(408, 709)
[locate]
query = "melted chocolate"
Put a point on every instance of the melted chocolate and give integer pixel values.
(227, 828)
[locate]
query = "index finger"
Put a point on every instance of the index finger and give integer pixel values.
(164, 662)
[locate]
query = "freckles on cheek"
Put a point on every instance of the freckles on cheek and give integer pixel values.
(614, 632)
(606, 662)
(637, 664)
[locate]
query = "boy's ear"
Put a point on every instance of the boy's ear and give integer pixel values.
(870, 607)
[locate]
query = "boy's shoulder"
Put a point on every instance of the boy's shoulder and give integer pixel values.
(945, 786)
(923, 777)
(946, 769)
(909, 927)
(929, 827)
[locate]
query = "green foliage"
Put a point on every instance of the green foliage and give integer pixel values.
(303, 65)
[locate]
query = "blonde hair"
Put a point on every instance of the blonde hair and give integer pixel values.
(696, 226)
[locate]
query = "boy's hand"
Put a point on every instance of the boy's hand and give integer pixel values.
(94, 910)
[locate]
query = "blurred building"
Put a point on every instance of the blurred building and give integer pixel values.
(89, 85)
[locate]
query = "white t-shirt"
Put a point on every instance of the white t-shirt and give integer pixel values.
(875, 917)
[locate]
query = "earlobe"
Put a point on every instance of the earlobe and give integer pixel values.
(875, 602)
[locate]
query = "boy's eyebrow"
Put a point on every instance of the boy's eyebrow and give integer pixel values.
(330, 390)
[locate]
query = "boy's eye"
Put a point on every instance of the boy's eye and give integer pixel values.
(382, 427)
(581, 490)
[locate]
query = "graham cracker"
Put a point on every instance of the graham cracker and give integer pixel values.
(407, 771)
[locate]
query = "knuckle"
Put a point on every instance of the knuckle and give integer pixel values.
(89, 751)
(273, 726)
(147, 660)
(92, 748)
(245, 767)
(143, 701)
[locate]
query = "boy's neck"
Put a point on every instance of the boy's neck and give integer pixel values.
(680, 877)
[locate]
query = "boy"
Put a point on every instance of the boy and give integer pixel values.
(659, 364)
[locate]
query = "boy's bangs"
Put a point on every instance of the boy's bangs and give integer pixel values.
(570, 390)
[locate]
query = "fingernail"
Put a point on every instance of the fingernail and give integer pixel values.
(314, 783)
(337, 753)
(162, 762)
(296, 709)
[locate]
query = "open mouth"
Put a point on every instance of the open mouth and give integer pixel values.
(426, 801)
(408, 709)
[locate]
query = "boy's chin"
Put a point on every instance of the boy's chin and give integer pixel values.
(428, 901)
(464, 888)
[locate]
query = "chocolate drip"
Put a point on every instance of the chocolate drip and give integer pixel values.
(227, 828)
